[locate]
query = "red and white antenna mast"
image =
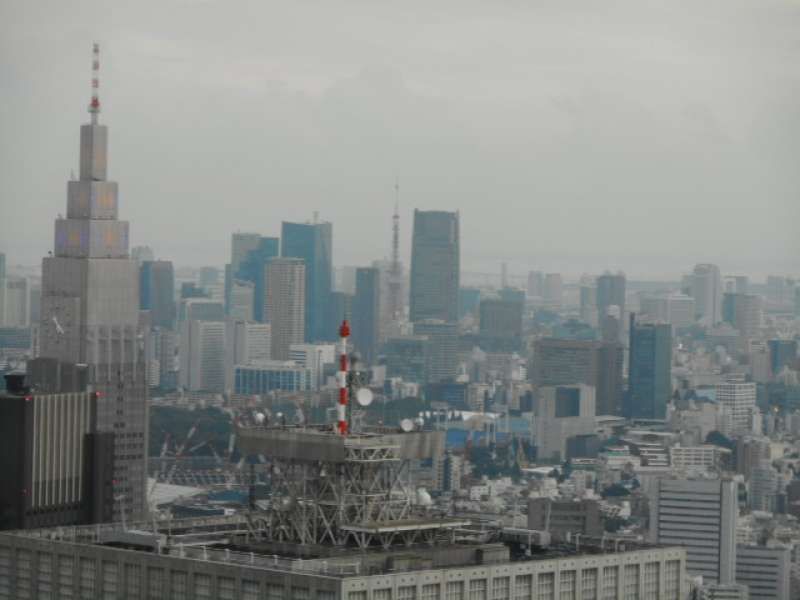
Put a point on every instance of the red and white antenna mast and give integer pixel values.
(94, 105)
(341, 409)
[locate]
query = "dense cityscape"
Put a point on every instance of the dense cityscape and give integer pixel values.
(279, 425)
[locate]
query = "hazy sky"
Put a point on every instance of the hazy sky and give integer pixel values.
(572, 135)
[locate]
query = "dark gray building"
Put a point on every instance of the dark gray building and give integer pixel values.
(594, 363)
(157, 292)
(610, 292)
(435, 265)
(407, 358)
(566, 516)
(443, 348)
(501, 318)
(649, 370)
(90, 311)
(313, 242)
(253, 268)
(55, 468)
(366, 313)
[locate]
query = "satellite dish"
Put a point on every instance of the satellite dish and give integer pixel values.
(364, 396)
(407, 425)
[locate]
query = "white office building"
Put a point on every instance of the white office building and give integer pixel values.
(764, 570)
(738, 399)
(203, 356)
(701, 516)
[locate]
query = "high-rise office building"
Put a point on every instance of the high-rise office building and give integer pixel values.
(738, 399)
(157, 292)
(142, 253)
(765, 570)
(782, 353)
(366, 313)
(588, 302)
(245, 343)
(649, 370)
(313, 242)
(744, 312)
(341, 307)
(535, 284)
(435, 266)
(56, 468)
(17, 302)
(706, 289)
(407, 358)
(202, 356)
(469, 300)
(701, 516)
(553, 293)
(594, 363)
(286, 304)
(611, 292)
(253, 268)
(562, 413)
(90, 311)
(242, 300)
(501, 320)
(443, 348)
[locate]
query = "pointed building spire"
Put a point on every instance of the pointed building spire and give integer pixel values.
(94, 105)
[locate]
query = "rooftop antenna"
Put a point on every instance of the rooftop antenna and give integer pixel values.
(94, 105)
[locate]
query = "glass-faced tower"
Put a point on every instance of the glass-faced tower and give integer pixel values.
(90, 309)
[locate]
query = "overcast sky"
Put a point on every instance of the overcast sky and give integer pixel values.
(572, 135)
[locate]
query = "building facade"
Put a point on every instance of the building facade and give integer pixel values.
(313, 242)
(701, 516)
(649, 370)
(286, 304)
(435, 266)
(90, 311)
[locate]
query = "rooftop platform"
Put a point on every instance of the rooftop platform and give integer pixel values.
(321, 443)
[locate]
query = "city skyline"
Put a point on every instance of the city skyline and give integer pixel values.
(455, 141)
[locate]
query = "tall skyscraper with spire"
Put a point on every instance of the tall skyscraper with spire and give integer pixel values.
(90, 309)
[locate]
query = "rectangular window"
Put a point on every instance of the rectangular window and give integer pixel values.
(24, 574)
(546, 587)
(477, 589)
(358, 595)
(382, 594)
(631, 582)
(202, 587)
(430, 591)
(407, 592)
(651, 580)
(325, 595)
(249, 590)
(567, 585)
(66, 576)
(672, 579)
(454, 590)
(88, 575)
(274, 591)
(523, 587)
(133, 581)
(227, 588)
(5, 573)
(45, 578)
(610, 583)
(178, 585)
(155, 583)
(300, 593)
(110, 578)
(589, 584)
(501, 588)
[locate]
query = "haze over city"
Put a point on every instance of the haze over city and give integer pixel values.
(572, 137)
